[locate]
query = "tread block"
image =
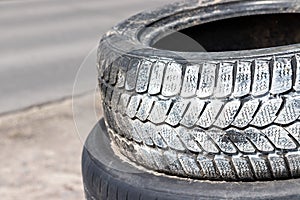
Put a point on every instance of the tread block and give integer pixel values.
(290, 112)
(143, 131)
(278, 166)
(103, 88)
(224, 80)
(242, 168)
(115, 100)
(173, 162)
(204, 140)
(208, 167)
(176, 112)
(106, 69)
(187, 139)
(108, 95)
(242, 84)
(190, 81)
(260, 167)
(227, 114)
(210, 113)
(169, 135)
(122, 126)
(159, 111)
(147, 157)
(156, 138)
(191, 116)
(207, 80)
(261, 78)
(145, 107)
(240, 141)
(143, 76)
(157, 155)
(133, 106)
(189, 165)
(121, 77)
(259, 140)
(294, 130)
(109, 118)
(124, 99)
(129, 127)
(282, 75)
(114, 71)
(245, 115)
(279, 137)
(117, 128)
(111, 58)
(156, 78)
(225, 169)
(267, 112)
(222, 141)
(131, 75)
(293, 160)
(172, 80)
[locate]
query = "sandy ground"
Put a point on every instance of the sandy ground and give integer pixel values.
(40, 152)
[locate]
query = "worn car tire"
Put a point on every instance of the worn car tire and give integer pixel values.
(107, 176)
(229, 115)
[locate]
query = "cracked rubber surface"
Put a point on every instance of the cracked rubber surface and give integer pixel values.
(106, 176)
(217, 116)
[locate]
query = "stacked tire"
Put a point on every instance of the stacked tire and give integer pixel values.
(179, 118)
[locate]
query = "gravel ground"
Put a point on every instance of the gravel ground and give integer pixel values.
(40, 152)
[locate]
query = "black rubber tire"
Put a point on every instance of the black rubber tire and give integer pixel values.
(106, 176)
(223, 116)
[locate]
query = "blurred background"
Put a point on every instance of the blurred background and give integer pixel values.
(43, 43)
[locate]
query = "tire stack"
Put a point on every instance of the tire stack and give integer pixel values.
(190, 125)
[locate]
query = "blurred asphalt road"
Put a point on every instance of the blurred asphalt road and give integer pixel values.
(43, 43)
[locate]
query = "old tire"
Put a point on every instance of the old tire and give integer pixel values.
(106, 176)
(229, 115)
